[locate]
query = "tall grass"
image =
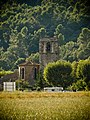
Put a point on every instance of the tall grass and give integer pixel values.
(45, 106)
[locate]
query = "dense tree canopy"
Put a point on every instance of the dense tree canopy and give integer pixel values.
(58, 73)
(75, 75)
(83, 70)
(81, 75)
(23, 23)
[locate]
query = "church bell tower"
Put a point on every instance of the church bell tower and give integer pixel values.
(48, 50)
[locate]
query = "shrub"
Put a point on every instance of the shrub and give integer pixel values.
(80, 85)
(22, 85)
(58, 73)
(83, 71)
(2, 73)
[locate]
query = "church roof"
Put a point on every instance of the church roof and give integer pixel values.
(27, 63)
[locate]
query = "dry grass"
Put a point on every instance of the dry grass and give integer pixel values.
(42, 94)
(44, 106)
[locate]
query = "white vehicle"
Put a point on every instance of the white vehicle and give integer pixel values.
(53, 89)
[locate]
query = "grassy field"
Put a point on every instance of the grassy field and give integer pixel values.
(44, 106)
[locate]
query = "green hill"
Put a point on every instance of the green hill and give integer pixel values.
(23, 23)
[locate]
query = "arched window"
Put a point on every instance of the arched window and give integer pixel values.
(35, 73)
(22, 73)
(48, 47)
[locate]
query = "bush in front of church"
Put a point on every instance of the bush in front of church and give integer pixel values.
(58, 73)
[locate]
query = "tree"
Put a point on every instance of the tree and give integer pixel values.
(58, 73)
(61, 39)
(19, 61)
(83, 71)
(84, 36)
(4, 64)
(74, 69)
(79, 85)
(3, 72)
(41, 32)
(59, 29)
(22, 85)
(22, 26)
(84, 45)
(33, 57)
(24, 31)
(69, 51)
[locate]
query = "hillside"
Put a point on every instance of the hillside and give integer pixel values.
(23, 23)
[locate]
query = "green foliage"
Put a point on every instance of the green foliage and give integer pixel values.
(2, 73)
(24, 31)
(69, 51)
(74, 69)
(19, 61)
(4, 64)
(59, 29)
(84, 41)
(64, 74)
(84, 36)
(58, 73)
(22, 85)
(33, 57)
(60, 39)
(80, 75)
(75, 51)
(83, 70)
(80, 85)
(23, 23)
(41, 32)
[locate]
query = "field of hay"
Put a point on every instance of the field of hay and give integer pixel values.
(44, 106)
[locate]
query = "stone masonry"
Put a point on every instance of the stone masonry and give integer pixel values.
(48, 50)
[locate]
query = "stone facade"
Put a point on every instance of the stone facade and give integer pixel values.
(48, 50)
(28, 71)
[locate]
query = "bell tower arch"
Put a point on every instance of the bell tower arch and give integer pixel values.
(48, 50)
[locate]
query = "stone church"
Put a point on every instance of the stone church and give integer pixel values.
(48, 52)
(28, 71)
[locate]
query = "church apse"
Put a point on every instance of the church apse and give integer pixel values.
(29, 71)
